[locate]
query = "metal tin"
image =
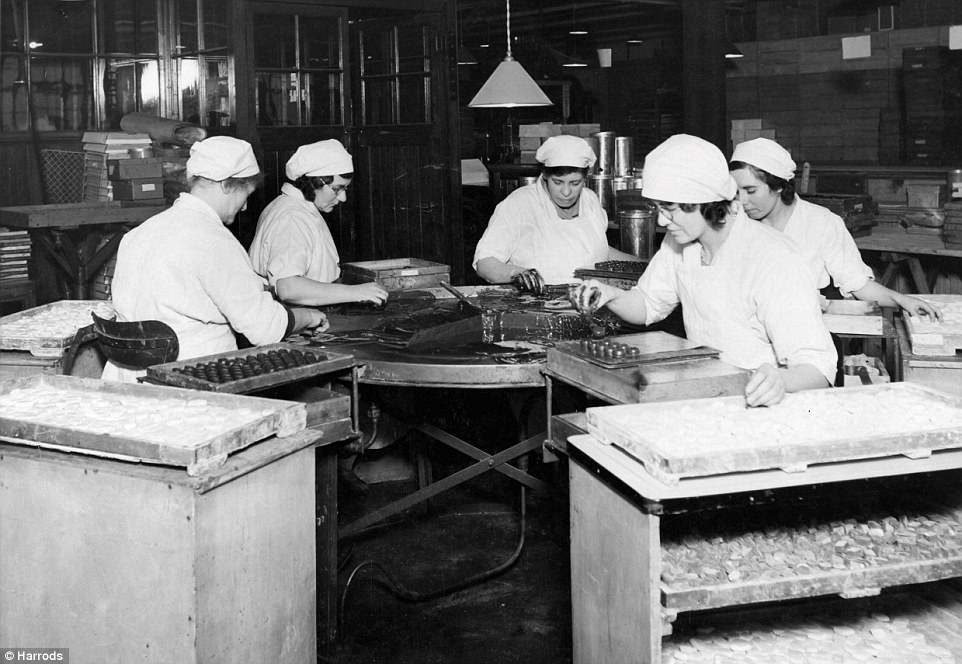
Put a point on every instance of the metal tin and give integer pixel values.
(526, 180)
(141, 153)
(637, 232)
(603, 186)
(624, 155)
(623, 182)
(605, 152)
(595, 144)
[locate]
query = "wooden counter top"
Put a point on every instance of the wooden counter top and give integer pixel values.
(907, 243)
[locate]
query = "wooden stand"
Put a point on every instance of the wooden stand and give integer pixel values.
(126, 562)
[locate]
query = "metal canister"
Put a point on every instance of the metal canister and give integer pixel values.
(624, 155)
(603, 186)
(954, 180)
(526, 180)
(595, 144)
(605, 152)
(637, 232)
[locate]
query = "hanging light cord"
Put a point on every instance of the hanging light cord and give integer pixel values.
(507, 4)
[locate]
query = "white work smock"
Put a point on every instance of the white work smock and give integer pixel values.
(525, 230)
(827, 247)
(755, 303)
(293, 240)
(184, 267)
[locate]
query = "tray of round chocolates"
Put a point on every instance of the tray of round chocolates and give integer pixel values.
(250, 369)
(612, 353)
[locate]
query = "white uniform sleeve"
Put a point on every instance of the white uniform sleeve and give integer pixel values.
(659, 282)
(502, 234)
(238, 292)
(788, 307)
(289, 252)
(843, 261)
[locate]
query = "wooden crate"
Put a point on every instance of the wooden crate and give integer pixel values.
(397, 273)
(140, 422)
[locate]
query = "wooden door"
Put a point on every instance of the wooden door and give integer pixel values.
(401, 141)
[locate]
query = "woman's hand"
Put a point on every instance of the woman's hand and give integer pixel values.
(369, 291)
(917, 306)
(529, 280)
(589, 296)
(766, 387)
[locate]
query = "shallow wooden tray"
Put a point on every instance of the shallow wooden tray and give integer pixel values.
(721, 450)
(277, 418)
(48, 345)
(929, 337)
(328, 362)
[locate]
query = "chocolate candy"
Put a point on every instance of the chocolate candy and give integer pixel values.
(225, 370)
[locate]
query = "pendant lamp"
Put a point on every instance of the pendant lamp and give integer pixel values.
(509, 86)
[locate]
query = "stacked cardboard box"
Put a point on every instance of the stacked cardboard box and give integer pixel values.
(749, 128)
(137, 179)
(932, 87)
(100, 150)
(530, 137)
(857, 211)
(14, 255)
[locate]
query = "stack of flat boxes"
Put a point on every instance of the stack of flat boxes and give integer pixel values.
(532, 136)
(749, 128)
(101, 150)
(952, 229)
(139, 179)
(932, 85)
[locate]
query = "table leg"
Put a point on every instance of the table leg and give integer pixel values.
(918, 274)
(325, 460)
(615, 575)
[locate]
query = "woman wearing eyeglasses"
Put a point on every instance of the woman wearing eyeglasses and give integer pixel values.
(743, 287)
(293, 248)
(764, 172)
(540, 234)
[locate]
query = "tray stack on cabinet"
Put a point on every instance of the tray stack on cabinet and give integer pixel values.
(952, 228)
(858, 211)
(397, 273)
(47, 330)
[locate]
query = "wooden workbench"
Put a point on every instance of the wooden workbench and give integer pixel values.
(897, 247)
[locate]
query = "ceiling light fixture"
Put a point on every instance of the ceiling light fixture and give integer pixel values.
(732, 52)
(509, 86)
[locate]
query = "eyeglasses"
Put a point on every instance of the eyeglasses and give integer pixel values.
(338, 188)
(658, 208)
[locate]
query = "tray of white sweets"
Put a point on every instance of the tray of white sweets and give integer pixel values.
(154, 424)
(700, 437)
(933, 337)
(47, 330)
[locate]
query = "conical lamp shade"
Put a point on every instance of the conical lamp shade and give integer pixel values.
(510, 86)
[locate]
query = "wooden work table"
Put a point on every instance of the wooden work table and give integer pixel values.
(897, 247)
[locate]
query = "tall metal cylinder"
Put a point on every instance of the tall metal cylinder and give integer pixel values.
(624, 155)
(595, 144)
(638, 232)
(603, 185)
(605, 152)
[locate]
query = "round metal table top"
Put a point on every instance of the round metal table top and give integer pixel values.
(459, 366)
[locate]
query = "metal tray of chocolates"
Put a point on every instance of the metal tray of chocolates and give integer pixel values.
(613, 354)
(250, 369)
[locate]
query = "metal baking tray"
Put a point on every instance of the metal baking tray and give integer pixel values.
(317, 362)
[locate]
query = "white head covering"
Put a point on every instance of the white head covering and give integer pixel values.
(317, 159)
(767, 155)
(220, 157)
(687, 169)
(566, 150)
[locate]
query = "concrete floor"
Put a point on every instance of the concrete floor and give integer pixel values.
(522, 615)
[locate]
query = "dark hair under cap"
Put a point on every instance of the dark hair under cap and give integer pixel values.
(784, 188)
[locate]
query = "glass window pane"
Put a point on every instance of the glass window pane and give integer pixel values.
(218, 93)
(130, 86)
(129, 26)
(377, 52)
(323, 95)
(189, 93)
(320, 43)
(277, 99)
(274, 41)
(62, 27)
(62, 94)
(11, 25)
(215, 23)
(186, 26)
(412, 49)
(14, 115)
(412, 91)
(378, 95)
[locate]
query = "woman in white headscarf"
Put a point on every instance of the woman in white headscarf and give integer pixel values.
(184, 268)
(540, 234)
(764, 172)
(293, 248)
(743, 288)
